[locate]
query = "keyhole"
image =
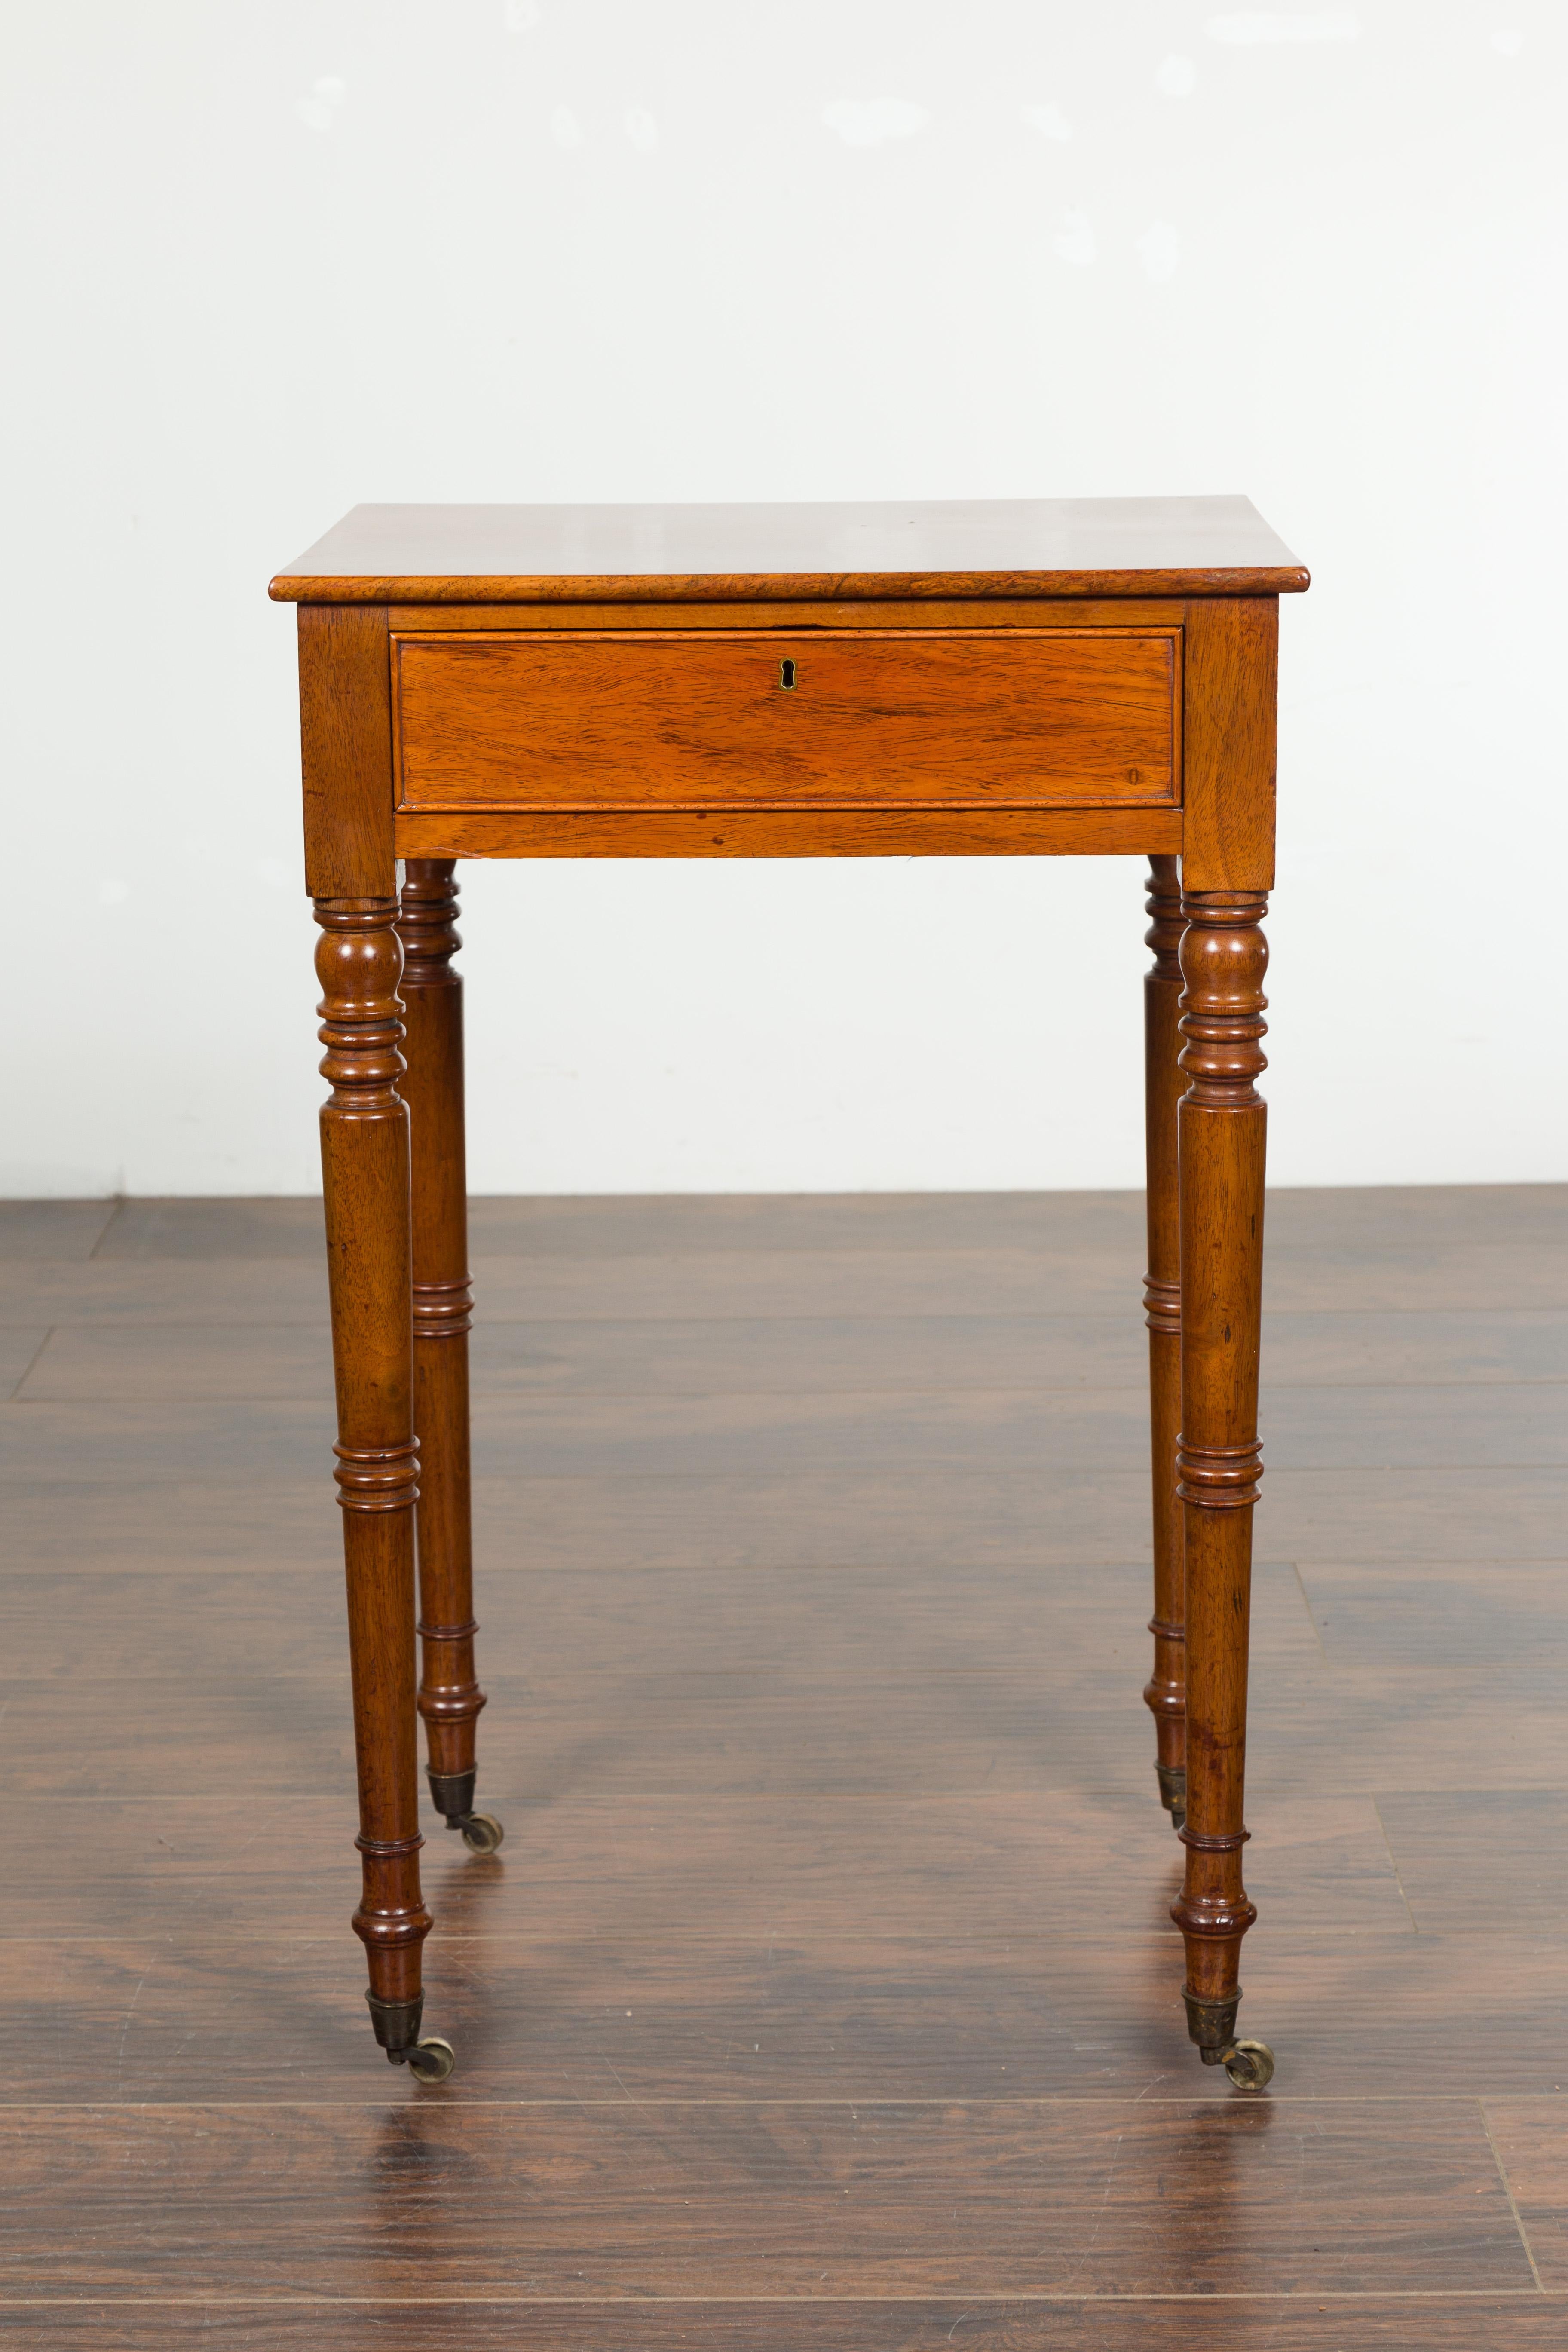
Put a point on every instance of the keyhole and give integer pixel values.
(786, 673)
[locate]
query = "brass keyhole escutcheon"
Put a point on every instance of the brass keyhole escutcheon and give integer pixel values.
(786, 673)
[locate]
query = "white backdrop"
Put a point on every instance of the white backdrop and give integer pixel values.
(269, 257)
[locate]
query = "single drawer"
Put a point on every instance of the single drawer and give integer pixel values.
(770, 719)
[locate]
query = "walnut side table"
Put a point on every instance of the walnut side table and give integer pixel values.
(1033, 679)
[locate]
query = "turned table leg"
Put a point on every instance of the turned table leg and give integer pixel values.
(364, 1170)
(1221, 1123)
(1166, 1692)
(449, 1697)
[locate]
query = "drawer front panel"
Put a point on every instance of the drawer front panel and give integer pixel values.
(860, 719)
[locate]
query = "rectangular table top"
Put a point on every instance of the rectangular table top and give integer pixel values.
(981, 548)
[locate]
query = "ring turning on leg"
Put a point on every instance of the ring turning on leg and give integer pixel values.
(1165, 1693)
(364, 1168)
(449, 1695)
(1221, 1150)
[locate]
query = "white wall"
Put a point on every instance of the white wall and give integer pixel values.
(269, 257)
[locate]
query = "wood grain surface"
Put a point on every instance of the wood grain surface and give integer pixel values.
(998, 547)
(819, 613)
(892, 832)
(635, 2198)
(759, 1433)
(797, 2013)
(822, 1994)
(345, 748)
(1521, 2322)
(783, 1356)
(995, 719)
(1232, 660)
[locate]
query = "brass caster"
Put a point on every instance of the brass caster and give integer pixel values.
(1249, 2065)
(481, 1831)
(432, 2060)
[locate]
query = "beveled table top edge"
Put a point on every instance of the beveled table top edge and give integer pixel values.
(717, 588)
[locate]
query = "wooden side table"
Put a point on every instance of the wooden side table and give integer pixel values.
(1032, 678)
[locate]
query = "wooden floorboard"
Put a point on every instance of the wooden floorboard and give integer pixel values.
(874, 1623)
(1470, 1277)
(48, 1231)
(1081, 1517)
(1007, 1431)
(803, 1864)
(1531, 2136)
(805, 2012)
(563, 2198)
(21, 1344)
(618, 1224)
(775, 1729)
(1440, 1613)
(787, 1356)
(824, 1992)
(1468, 1857)
(1477, 2322)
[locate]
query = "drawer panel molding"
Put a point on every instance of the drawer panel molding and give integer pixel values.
(783, 719)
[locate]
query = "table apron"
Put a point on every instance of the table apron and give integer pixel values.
(778, 832)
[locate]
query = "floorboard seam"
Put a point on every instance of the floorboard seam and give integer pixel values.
(1508, 2192)
(15, 1395)
(1392, 1860)
(116, 1210)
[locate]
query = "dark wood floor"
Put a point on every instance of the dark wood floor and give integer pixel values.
(823, 1994)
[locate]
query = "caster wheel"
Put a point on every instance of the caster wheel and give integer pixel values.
(1250, 2066)
(432, 2061)
(482, 1832)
